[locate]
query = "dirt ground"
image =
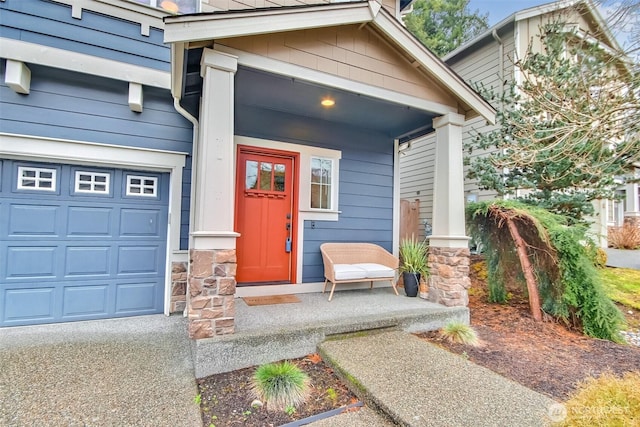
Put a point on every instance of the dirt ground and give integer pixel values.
(226, 398)
(544, 356)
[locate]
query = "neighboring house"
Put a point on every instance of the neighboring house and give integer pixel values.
(489, 60)
(155, 165)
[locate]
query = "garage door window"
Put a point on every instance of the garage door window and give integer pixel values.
(92, 182)
(144, 186)
(42, 179)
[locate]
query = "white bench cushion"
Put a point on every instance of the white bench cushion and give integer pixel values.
(349, 272)
(376, 271)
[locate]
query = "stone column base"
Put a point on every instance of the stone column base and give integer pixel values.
(211, 289)
(178, 301)
(449, 279)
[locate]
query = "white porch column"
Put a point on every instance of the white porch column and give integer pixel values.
(448, 246)
(448, 184)
(212, 256)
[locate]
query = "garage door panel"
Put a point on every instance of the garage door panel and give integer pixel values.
(85, 300)
(33, 220)
(85, 221)
(136, 297)
(30, 262)
(23, 306)
(85, 251)
(138, 260)
(140, 222)
(87, 261)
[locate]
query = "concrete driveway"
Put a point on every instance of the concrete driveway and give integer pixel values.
(121, 372)
(623, 258)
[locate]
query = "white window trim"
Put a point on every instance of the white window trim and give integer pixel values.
(142, 186)
(332, 185)
(38, 179)
(107, 182)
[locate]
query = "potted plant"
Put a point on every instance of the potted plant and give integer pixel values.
(413, 256)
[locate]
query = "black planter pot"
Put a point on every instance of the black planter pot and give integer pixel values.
(411, 281)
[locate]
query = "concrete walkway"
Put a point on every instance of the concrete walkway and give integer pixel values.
(418, 384)
(121, 372)
(623, 258)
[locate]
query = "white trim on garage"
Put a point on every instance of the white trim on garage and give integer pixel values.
(18, 50)
(33, 148)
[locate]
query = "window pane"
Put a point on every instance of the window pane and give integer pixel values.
(251, 175)
(45, 184)
(315, 196)
(316, 170)
(28, 183)
(279, 178)
(326, 171)
(47, 175)
(29, 173)
(324, 197)
(265, 176)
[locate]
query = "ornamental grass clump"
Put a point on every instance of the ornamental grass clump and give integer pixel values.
(281, 385)
(458, 332)
(605, 401)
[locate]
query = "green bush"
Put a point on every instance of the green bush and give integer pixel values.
(569, 286)
(281, 385)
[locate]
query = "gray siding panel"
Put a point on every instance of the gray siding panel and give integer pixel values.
(50, 24)
(366, 180)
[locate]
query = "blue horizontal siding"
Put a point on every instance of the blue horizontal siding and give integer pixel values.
(366, 179)
(51, 24)
(75, 106)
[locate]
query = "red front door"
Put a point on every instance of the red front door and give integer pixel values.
(265, 216)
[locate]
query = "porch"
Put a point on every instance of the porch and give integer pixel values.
(274, 332)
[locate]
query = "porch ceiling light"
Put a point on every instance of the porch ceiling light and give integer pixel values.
(328, 102)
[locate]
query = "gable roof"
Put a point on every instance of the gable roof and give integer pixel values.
(183, 29)
(543, 9)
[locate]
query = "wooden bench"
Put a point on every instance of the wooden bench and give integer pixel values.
(357, 262)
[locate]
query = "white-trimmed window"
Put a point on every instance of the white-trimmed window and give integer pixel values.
(92, 182)
(321, 183)
(32, 178)
(145, 186)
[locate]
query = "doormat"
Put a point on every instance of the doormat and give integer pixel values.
(271, 299)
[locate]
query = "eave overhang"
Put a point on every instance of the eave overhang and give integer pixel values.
(185, 29)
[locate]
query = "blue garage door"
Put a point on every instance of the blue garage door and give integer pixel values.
(79, 243)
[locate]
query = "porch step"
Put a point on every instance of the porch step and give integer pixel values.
(418, 384)
(275, 332)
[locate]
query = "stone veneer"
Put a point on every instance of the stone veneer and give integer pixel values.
(210, 292)
(449, 279)
(178, 287)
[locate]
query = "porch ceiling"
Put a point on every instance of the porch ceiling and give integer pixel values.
(259, 89)
(268, 91)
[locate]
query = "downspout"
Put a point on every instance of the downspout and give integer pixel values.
(194, 152)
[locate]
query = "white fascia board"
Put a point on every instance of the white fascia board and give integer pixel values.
(236, 24)
(146, 16)
(32, 53)
(438, 70)
(313, 76)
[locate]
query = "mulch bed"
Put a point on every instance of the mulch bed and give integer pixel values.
(226, 398)
(544, 356)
